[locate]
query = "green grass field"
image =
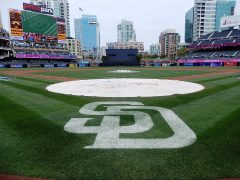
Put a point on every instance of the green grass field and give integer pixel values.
(33, 141)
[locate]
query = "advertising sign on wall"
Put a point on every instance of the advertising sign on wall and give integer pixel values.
(16, 28)
(230, 21)
(61, 30)
(39, 9)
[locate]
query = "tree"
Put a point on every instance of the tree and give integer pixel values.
(182, 52)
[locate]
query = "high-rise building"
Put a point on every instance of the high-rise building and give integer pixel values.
(155, 49)
(169, 40)
(189, 17)
(207, 15)
(204, 17)
(126, 31)
(1, 25)
(87, 32)
(224, 8)
(60, 9)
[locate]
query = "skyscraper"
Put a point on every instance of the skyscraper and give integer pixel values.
(204, 17)
(224, 8)
(207, 15)
(87, 32)
(60, 9)
(126, 32)
(169, 40)
(189, 17)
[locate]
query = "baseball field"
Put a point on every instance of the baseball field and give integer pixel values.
(42, 134)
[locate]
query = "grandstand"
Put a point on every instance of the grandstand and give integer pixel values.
(214, 49)
(34, 55)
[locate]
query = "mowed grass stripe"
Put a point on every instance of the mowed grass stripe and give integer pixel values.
(71, 100)
(205, 112)
(35, 142)
(51, 109)
(211, 79)
(177, 100)
(42, 81)
(82, 74)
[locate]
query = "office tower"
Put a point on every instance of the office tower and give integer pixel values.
(207, 15)
(87, 32)
(126, 31)
(189, 17)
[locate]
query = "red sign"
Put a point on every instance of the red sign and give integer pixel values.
(39, 9)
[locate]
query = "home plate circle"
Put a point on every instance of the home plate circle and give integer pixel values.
(125, 87)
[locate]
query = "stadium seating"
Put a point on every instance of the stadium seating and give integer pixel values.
(221, 47)
(31, 52)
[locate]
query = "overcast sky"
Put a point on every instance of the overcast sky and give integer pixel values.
(150, 17)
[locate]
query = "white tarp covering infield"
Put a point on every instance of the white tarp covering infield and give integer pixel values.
(125, 87)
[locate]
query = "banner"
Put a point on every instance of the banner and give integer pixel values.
(208, 61)
(230, 21)
(39, 9)
(16, 28)
(43, 56)
(61, 30)
(48, 65)
(16, 66)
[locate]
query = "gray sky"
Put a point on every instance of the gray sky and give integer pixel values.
(150, 17)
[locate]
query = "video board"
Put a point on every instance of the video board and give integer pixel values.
(38, 23)
(36, 27)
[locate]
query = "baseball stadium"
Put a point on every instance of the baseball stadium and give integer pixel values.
(61, 119)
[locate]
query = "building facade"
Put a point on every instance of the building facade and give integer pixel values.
(169, 40)
(127, 45)
(207, 15)
(60, 9)
(204, 17)
(74, 46)
(1, 24)
(88, 33)
(189, 18)
(126, 31)
(155, 49)
(224, 8)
